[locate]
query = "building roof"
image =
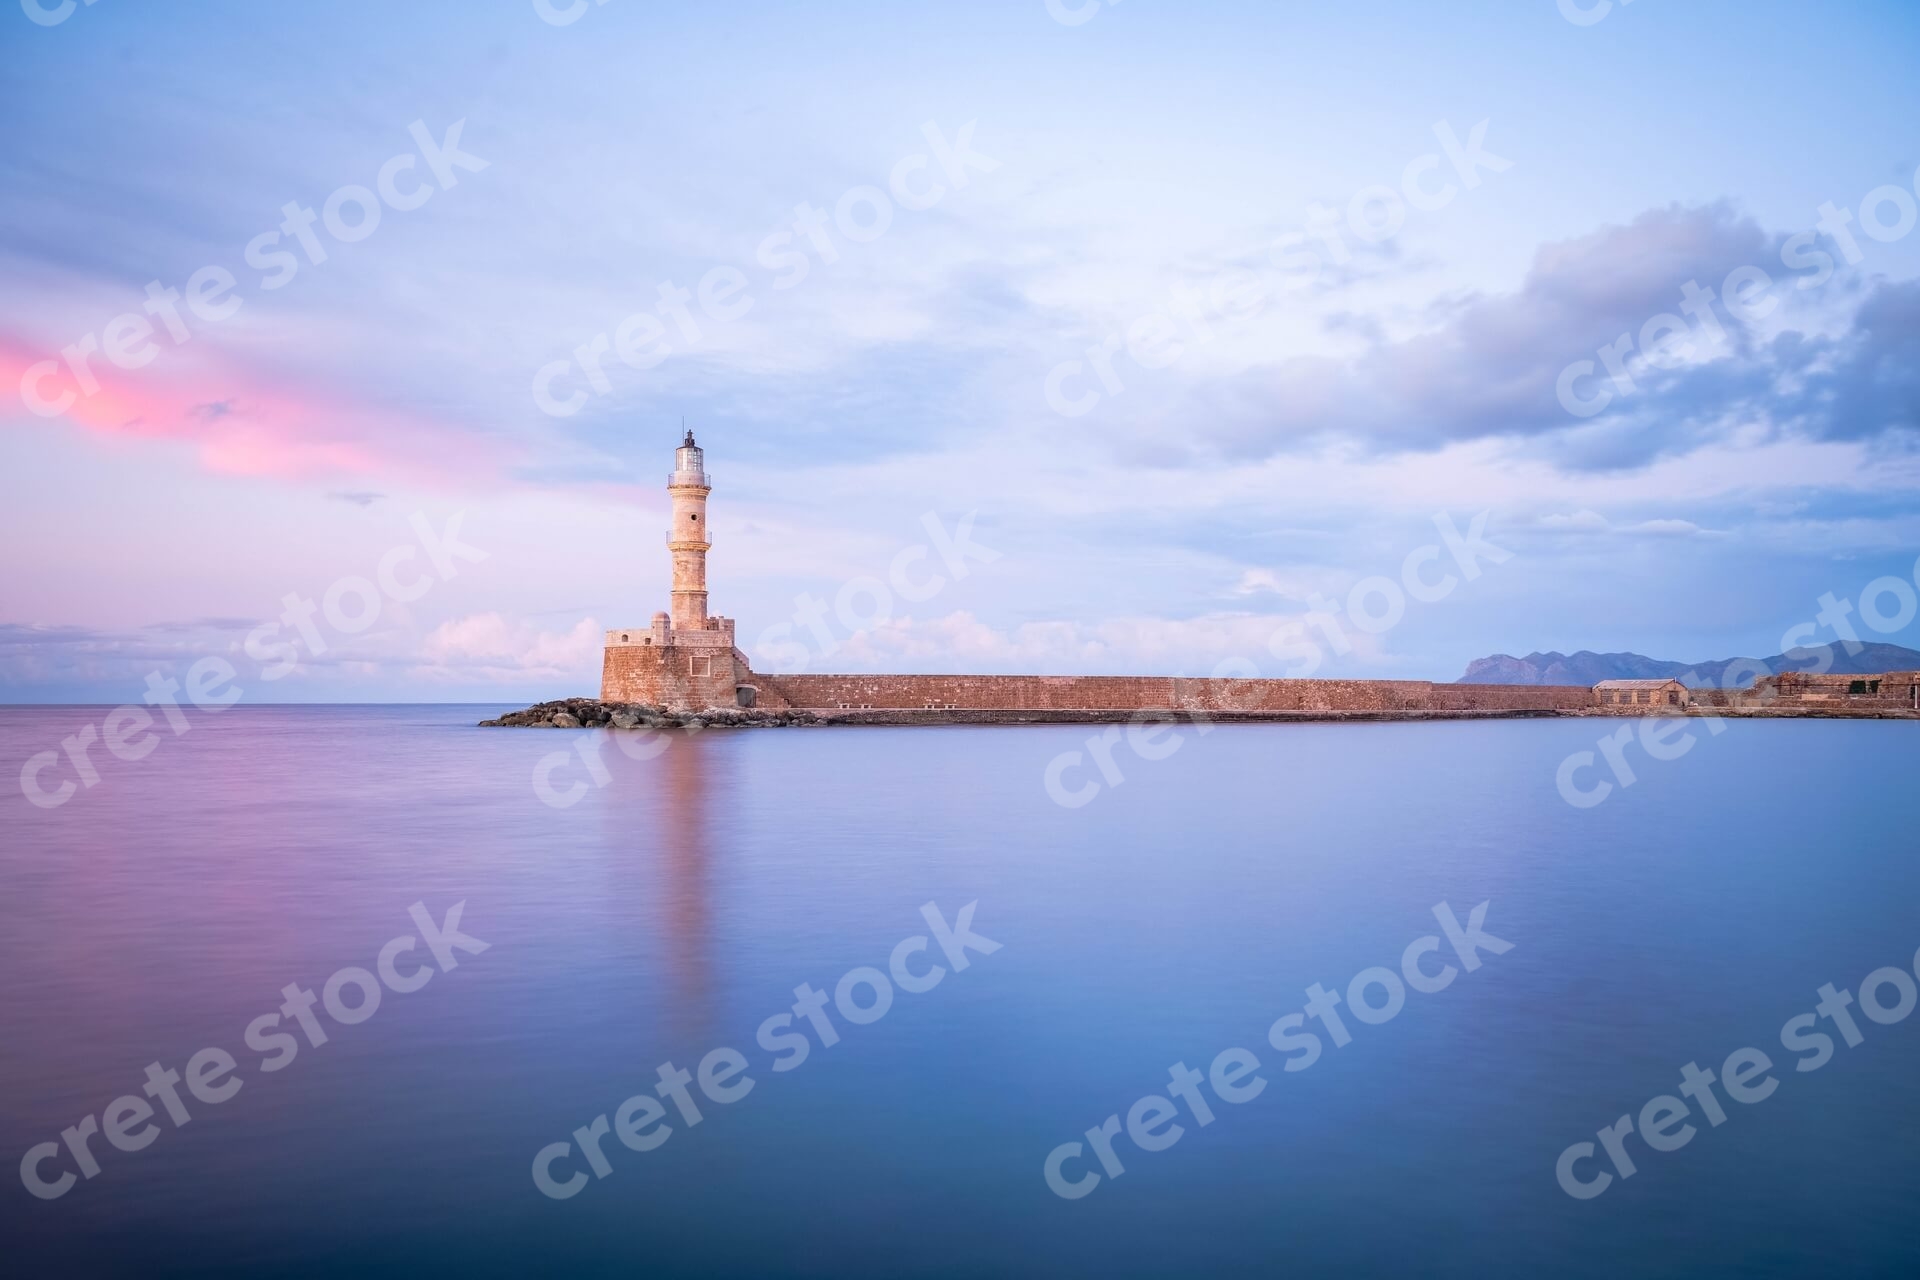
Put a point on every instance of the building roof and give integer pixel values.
(1638, 684)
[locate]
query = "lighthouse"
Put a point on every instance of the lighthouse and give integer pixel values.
(685, 660)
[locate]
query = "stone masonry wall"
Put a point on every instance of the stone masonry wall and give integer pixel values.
(1512, 697)
(1899, 690)
(1134, 693)
(672, 676)
(683, 677)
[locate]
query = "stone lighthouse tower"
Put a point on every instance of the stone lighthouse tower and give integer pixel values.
(687, 536)
(685, 660)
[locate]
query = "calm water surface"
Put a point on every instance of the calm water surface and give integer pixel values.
(674, 909)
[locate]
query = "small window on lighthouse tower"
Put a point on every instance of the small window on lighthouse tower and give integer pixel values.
(693, 517)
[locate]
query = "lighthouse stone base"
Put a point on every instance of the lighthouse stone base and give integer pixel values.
(679, 670)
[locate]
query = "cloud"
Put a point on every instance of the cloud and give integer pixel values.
(961, 642)
(487, 646)
(114, 660)
(1577, 522)
(480, 649)
(1871, 383)
(1490, 365)
(1298, 582)
(1668, 529)
(1592, 522)
(1255, 581)
(248, 420)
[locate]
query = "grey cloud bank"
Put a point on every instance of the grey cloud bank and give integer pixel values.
(1494, 364)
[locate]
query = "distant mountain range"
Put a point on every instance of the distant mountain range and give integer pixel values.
(1588, 668)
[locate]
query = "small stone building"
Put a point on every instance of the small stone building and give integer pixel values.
(1640, 697)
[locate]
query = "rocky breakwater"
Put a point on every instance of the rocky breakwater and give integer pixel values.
(591, 713)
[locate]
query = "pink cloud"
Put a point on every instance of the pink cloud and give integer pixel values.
(487, 645)
(248, 424)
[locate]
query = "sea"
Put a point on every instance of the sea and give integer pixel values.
(828, 1002)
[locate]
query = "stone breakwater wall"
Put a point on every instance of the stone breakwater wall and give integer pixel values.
(699, 670)
(683, 677)
(1081, 695)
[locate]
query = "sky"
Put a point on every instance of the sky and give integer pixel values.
(1196, 322)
